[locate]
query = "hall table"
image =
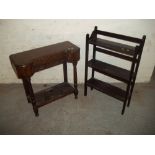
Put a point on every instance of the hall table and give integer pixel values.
(26, 63)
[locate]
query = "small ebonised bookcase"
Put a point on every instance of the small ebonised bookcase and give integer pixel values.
(119, 50)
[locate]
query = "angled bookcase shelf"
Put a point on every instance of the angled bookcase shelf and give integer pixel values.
(116, 49)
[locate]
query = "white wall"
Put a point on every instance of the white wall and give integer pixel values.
(21, 35)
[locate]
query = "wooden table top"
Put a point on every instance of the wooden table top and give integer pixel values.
(28, 62)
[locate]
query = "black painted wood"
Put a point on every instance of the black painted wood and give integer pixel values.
(120, 36)
(136, 69)
(115, 54)
(94, 52)
(119, 50)
(110, 70)
(86, 64)
(107, 88)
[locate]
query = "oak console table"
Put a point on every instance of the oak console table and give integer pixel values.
(25, 64)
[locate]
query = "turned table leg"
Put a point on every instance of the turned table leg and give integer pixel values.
(65, 71)
(75, 79)
(30, 94)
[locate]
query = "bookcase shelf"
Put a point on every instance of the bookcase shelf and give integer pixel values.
(110, 70)
(107, 88)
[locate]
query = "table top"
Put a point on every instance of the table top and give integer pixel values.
(41, 58)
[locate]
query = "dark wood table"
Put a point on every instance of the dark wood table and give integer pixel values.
(25, 64)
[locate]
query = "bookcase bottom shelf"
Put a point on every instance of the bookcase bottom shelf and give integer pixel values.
(107, 88)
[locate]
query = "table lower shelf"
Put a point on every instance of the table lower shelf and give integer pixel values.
(48, 95)
(107, 88)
